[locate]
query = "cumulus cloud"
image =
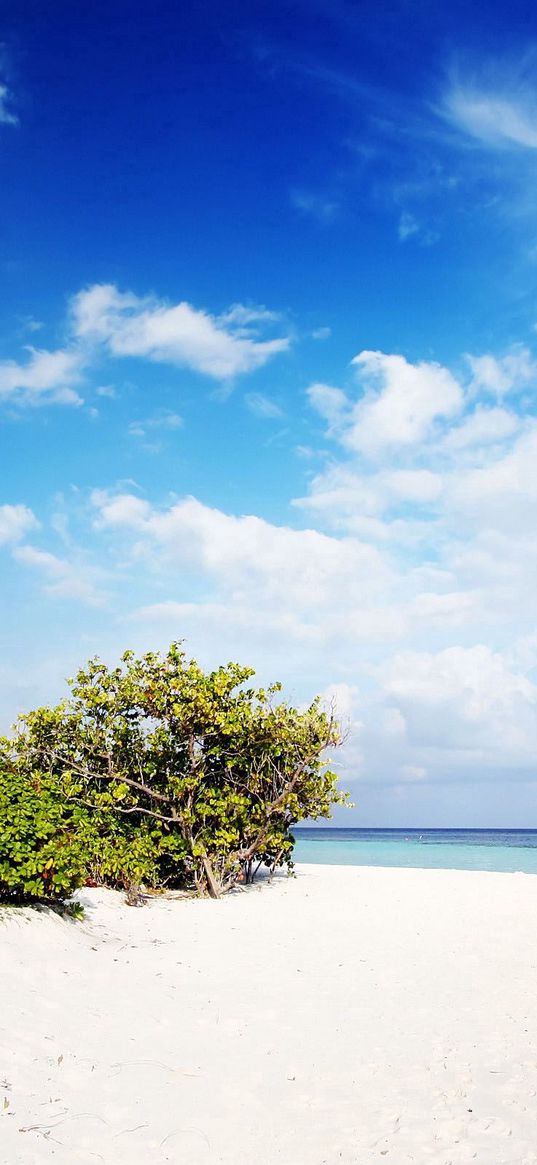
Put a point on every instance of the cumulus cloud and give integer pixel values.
(344, 700)
(416, 577)
(484, 426)
(15, 522)
(178, 334)
(399, 404)
(426, 454)
(249, 557)
(448, 608)
(349, 494)
(500, 375)
(469, 699)
(434, 700)
(501, 493)
(454, 514)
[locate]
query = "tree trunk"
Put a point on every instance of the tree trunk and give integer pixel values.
(215, 891)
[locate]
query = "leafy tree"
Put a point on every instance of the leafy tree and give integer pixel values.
(184, 777)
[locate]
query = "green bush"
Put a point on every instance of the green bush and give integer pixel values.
(42, 851)
(157, 773)
(50, 845)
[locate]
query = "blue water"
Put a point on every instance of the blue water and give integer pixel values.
(503, 850)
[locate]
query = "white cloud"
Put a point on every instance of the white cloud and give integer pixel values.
(344, 700)
(325, 210)
(412, 485)
(262, 406)
(7, 117)
(120, 510)
(408, 226)
(503, 374)
(401, 403)
(106, 321)
(15, 522)
(331, 403)
(312, 608)
(45, 377)
(466, 698)
(31, 325)
(64, 579)
(343, 492)
(426, 459)
(248, 622)
(164, 421)
(349, 493)
(429, 498)
(247, 556)
(128, 325)
(484, 426)
(239, 315)
(413, 773)
(502, 492)
(494, 118)
(454, 514)
(448, 609)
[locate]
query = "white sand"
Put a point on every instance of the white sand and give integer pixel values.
(348, 1016)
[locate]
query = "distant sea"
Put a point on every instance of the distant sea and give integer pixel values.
(503, 850)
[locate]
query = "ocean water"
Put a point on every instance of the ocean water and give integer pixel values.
(502, 850)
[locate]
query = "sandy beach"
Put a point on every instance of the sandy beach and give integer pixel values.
(348, 1016)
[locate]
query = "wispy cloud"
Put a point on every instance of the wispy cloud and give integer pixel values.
(45, 377)
(241, 315)
(408, 226)
(262, 406)
(7, 117)
(63, 579)
(500, 117)
(161, 422)
(317, 206)
(408, 148)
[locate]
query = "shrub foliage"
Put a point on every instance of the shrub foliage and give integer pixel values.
(156, 773)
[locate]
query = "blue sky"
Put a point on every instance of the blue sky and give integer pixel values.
(268, 369)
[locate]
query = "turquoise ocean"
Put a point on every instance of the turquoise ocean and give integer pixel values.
(502, 850)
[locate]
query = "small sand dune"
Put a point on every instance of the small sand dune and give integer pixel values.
(346, 1017)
